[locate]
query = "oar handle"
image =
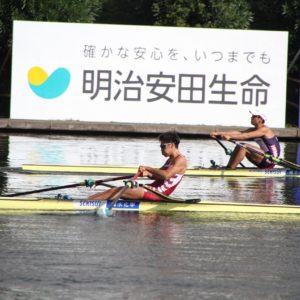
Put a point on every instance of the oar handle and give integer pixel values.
(122, 191)
(97, 182)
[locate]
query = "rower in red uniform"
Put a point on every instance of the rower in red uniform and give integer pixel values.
(260, 133)
(166, 178)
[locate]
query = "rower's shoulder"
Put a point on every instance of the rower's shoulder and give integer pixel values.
(183, 160)
(263, 129)
(179, 159)
(182, 156)
(269, 133)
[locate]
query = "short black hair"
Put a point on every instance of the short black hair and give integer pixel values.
(169, 137)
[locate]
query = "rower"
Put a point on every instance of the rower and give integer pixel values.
(166, 178)
(262, 134)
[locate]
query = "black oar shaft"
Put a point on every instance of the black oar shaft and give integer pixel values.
(43, 190)
(97, 182)
(227, 151)
(276, 160)
(223, 146)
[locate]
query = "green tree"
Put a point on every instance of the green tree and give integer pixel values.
(291, 13)
(203, 13)
(283, 15)
(133, 12)
(83, 11)
(267, 14)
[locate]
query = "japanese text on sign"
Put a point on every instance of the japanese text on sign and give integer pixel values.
(190, 88)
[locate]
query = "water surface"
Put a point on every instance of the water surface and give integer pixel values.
(145, 256)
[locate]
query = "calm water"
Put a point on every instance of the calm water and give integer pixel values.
(145, 256)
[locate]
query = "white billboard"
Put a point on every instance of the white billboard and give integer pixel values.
(147, 74)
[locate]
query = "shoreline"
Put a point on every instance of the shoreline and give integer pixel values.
(114, 128)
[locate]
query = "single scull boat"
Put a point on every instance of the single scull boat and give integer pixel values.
(20, 204)
(115, 170)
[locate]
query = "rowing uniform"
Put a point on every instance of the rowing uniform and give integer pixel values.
(165, 187)
(269, 146)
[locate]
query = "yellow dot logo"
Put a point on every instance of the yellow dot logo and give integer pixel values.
(48, 87)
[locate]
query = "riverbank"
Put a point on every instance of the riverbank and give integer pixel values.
(97, 128)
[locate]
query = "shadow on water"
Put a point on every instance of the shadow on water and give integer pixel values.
(4, 145)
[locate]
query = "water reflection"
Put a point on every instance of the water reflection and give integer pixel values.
(290, 152)
(292, 191)
(298, 154)
(262, 190)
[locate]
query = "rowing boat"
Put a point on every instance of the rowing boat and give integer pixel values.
(110, 169)
(52, 205)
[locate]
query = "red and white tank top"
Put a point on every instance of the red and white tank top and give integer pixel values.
(167, 186)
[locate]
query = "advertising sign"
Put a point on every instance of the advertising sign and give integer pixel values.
(147, 74)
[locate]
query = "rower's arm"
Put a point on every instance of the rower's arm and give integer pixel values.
(178, 168)
(215, 134)
(246, 135)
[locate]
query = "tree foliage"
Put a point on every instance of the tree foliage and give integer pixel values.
(291, 13)
(44, 10)
(203, 13)
(134, 12)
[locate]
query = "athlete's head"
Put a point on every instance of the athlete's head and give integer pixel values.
(169, 137)
(258, 113)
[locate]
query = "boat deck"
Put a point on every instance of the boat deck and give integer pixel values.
(196, 171)
(9, 204)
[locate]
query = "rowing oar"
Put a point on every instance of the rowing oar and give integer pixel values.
(119, 194)
(84, 183)
(227, 151)
(276, 160)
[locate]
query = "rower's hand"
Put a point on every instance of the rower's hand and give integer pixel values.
(214, 134)
(147, 174)
(225, 137)
(132, 184)
(144, 172)
(142, 169)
